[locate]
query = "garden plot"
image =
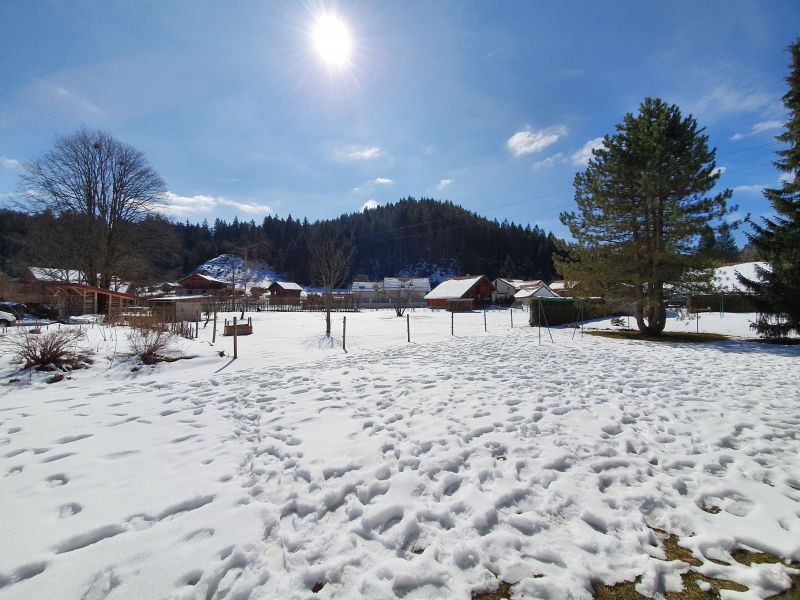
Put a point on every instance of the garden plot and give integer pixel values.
(433, 469)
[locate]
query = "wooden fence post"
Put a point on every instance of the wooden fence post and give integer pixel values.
(511, 310)
(235, 348)
(214, 333)
(197, 327)
(408, 327)
(344, 333)
(452, 323)
(484, 322)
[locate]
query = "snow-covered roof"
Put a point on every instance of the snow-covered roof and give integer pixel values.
(207, 278)
(289, 285)
(47, 274)
(364, 286)
(725, 279)
(54, 275)
(452, 288)
(414, 284)
(532, 291)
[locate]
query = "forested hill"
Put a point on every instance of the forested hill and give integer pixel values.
(407, 237)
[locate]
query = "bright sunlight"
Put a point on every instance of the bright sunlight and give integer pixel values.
(332, 41)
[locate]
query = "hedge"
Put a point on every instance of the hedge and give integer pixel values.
(735, 303)
(568, 311)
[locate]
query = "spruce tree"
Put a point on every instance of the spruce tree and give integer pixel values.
(642, 203)
(727, 249)
(777, 289)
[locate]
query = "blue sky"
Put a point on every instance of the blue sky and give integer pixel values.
(490, 105)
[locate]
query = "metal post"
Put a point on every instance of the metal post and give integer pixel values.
(344, 334)
(452, 323)
(484, 321)
(511, 310)
(214, 333)
(722, 305)
(539, 313)
(408, 327)
(235, 346)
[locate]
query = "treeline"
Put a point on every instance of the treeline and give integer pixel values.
(408, 237)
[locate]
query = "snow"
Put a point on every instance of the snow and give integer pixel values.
(725, 279)
(429, 469)
(452, 288)
(289, 285)
(258, 274)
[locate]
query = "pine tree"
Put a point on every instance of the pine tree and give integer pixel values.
(708, 243)
(777, 289)
(727, 249)
(641, 206)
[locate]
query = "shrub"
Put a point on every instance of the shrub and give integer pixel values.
(57, 347)
(150, 341)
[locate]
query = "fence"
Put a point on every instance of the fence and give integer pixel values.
(735, 303)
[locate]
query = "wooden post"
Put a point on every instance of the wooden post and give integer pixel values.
(235, 348)
(408, 327)
(214, 333)
(344, 333)
(197, 327)
(452, 323)
(484, 321)
(511, 310)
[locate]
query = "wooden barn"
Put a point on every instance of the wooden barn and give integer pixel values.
(461, 294)
(284, 289)
(169, 309)
(203, 284)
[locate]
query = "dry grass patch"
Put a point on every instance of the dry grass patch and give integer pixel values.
(667, 336)
(503, 592)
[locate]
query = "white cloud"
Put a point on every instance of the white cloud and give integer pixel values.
(723, 99)
(9, 163)
(357, 153)
(381, 181)
(748, 189)
(369, 205)
(759, 127)
(444, 183)
(550, 161)
(529, 141)
(581, 157)
(181, 206)
(766, 126)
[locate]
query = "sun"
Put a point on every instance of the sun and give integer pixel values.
(332, 41)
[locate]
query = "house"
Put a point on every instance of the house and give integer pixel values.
(563, 288)
(73, 295)
(527, 293)
(508, 288)
(285, 289)
(368, 293)
(169, 309)
(199, 284)
(461, 293)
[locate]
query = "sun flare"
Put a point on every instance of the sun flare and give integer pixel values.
(332, 41)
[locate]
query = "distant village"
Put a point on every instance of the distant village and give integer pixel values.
(67, 294)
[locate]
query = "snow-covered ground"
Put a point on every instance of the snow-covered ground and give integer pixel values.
(428, 469)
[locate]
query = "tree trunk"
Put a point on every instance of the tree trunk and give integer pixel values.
(651, 321)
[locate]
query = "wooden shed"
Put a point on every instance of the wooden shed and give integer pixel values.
(284, 289)
(177, 308)
(461, 294)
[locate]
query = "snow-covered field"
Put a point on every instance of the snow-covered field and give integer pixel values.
(429, 469)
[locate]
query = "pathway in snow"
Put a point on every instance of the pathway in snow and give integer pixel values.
(414, 471)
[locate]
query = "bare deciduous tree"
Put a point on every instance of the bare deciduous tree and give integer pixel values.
(330, 263)
(97, 187)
